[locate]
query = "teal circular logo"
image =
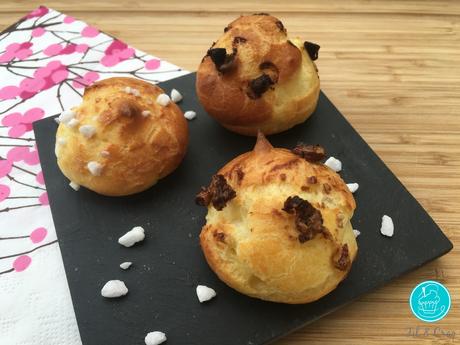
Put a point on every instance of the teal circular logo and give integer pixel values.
(430, 301)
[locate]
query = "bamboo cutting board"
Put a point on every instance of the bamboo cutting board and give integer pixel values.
(391, 67)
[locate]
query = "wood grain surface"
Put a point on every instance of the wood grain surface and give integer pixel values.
(391, 67)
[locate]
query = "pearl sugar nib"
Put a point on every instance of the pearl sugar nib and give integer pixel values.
(163, 99)
(75, 186)
(334, 164)
(387, 228)
(155, 338)
(114, 289)
(125, 265)
(353, 187)
(87, 131)
(133, 236)
(205, 293)
(94, 168)
(189, 115)
(66, 116)
(176, 96)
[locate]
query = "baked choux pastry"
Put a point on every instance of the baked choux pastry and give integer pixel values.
(254, 77)
(278, 224)
(124, 136)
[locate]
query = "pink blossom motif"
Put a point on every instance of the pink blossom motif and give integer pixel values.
(38, 235)
(68, 19)
(43, 199)
(23, 153)
(116, 52)
(44, 78)
(21, 263)
(18, 51)
(39, 178)
(88, 79)
(5, 167)
(4, 192)
(81, 48)
(89, 31)
(52, 49)
(152, 64)
(37, 32)
(21, 124)
(38, 12)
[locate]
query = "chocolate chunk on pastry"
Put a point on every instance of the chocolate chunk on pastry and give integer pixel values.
(280, 237)
(120, 140)
(255, 77)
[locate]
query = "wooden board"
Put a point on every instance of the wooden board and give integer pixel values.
(391, 67)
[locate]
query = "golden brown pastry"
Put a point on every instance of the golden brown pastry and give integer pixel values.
(120, 140)
(278, 224)
(254, 77)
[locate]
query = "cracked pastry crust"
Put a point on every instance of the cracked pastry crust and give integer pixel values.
(254, 77)
(134, 150)
(284, 234)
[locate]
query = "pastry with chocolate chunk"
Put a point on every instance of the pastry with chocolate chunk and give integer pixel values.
(255, 77)
(124, 136)
(278, 224)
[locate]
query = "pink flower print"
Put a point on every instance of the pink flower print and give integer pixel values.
(23, 153)
(89, 31)
(21, 124)
(152, 64)
(38, 12)
(44, 199)
(5, 167)
(40, 179)
(81, 48)
(52, 49)
(19, 51)
(88, 79)
(9, 92)
(68, 19)
(21, 263)
(38, 235)
(116, 52)
(4, 192)
(37, 32)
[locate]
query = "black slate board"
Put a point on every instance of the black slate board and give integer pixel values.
(169, 264)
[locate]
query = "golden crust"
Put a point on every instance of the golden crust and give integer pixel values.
(252, 244)
(290, 101)
(141, 149)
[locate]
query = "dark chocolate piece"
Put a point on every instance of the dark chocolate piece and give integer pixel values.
(259, 85)
(218, 193)
(219, 236)
(312, 49)
(280, 25)
(261, 14)
(238, 40)
(221, 59)
(343, 261)
(308, 220)
(312, 180)
(311, 153)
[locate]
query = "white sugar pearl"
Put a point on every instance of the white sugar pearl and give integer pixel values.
(205, 293)
(75, 186)
(163, 99)
(94, 168)
(61, 141)
(135, 92)
(334, 164)
(356, 232)
(176, 96)
(155, 338)
(73, 123)
(146, 113)
(114, 288)
(387, 228)
(104, 153)
(353, 187)
(125, 265)
(56, 119)
(127, 90)
(87, 131)
(135, 235)
(66, 116)
(190, 115)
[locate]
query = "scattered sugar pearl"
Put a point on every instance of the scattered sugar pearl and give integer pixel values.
(189, 115)
(94, 168)
(334, 164)
(73, 123)
(61, 141)
(75, 186)
(114, 289)
(87, 130)
(356, 232)
(205, 293)
(56, 149)
(155, 338)
(176, 96)
(104, 153)
(387, 228)
(145, 113)
(133, 236)
(135, 92)
(56, 119)
(125, 265)
(66, 116)
(127, 90)
(353, 187)
(163, 99)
